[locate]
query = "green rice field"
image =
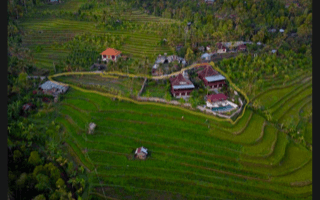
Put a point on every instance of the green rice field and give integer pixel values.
(123, 84)
(191, 155)
(188, 160)
(50, 33)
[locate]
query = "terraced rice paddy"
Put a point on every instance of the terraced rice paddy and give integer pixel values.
(123, 84)
(289, 105)
(188, 158)
(57, 31)
(191, 156)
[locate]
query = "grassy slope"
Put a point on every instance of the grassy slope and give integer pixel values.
(193, 159)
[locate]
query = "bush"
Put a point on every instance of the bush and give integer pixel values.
(34, 158)
(167, 96)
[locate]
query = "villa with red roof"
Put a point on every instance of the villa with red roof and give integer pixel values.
(110, 54)
(181, 86)
(211, 78)
(214, 99)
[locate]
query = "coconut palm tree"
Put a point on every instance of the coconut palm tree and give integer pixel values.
(154, 4)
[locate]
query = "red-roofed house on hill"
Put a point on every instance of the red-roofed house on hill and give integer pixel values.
(221, 48)
(181, 86)
(211, 78)
(110, 54)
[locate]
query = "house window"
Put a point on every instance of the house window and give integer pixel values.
(104, 56)
(182, 93)
(188, 93)
(220, 85)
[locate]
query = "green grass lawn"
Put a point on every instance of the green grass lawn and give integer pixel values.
(186, 157)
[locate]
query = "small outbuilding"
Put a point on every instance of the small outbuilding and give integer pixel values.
(92, 126)
(281, 30)
(141, 153)
(272, 30)
(53, 88)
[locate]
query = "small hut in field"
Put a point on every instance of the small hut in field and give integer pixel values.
(92, 126)
(141, 153)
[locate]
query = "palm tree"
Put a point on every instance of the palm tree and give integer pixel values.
(73, 182)
(154, 3)
(146, 65)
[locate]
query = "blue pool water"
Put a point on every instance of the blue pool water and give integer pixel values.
(224, 108)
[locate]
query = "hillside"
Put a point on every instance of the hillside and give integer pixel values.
(264, 151)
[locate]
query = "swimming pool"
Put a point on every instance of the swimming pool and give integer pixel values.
(224, 108)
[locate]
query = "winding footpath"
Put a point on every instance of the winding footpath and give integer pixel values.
(155, 78)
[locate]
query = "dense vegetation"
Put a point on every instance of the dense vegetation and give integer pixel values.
(39, 166)
(267, 154)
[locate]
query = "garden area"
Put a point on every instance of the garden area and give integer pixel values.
(156, 88)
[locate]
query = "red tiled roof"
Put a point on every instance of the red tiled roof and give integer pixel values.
(220, 46)
(178, 79)
(216, 97)
(207, 71)
(110, 52)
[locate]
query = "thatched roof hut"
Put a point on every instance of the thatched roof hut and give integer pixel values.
(141, 153)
